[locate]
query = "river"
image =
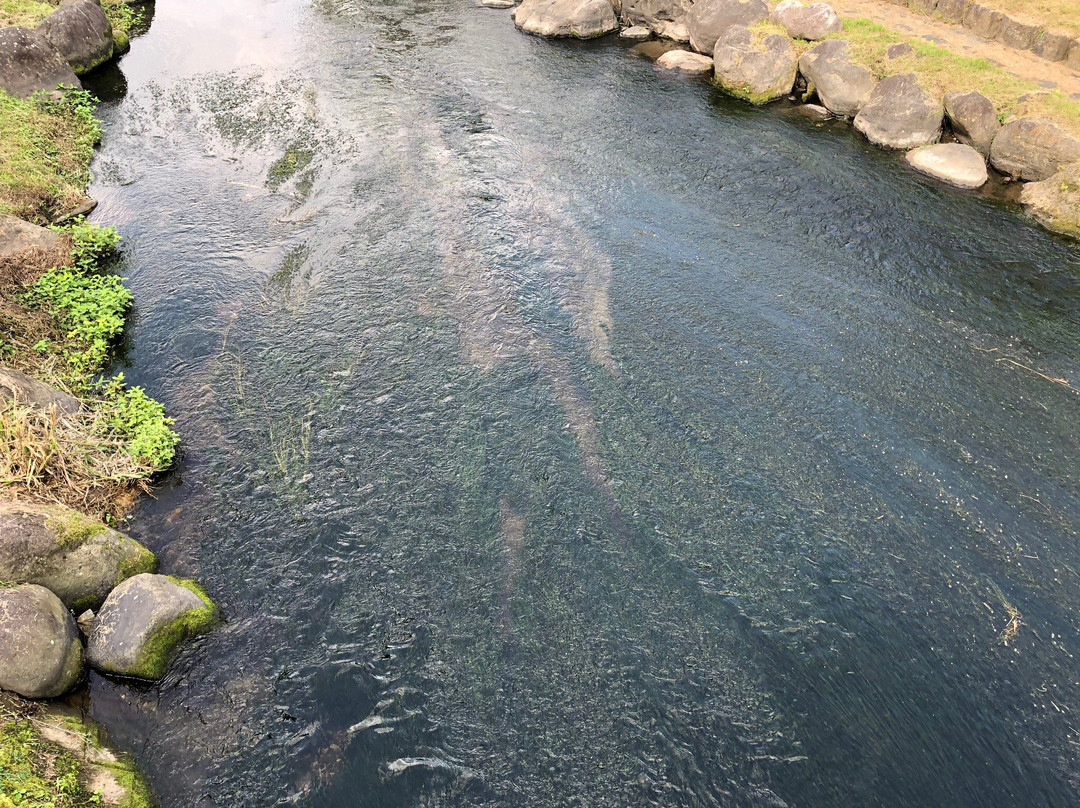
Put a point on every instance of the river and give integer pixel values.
(561, 433)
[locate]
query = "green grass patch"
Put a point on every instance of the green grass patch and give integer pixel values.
(35, 773)
(45, 152)
(27, 13)
(939, 72)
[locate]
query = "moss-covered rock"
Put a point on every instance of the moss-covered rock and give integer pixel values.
(76, 557)
(81, 33)
(755, 66)
(143, 622)
(51, 749)
(1055, 202)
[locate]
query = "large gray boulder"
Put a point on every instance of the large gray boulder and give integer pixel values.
(29, 63)
(811, 22)
(1055, 201)
(142, 623)
(17, 386)
(649, 12)
(1053, 47)
(983, 20)
(1033, 149)
(709, 19)
(842, 86)
(17, 236)
(955, 163)
(901, 115)
(81, 33)
(76, 557)
(41, 656)
(973, 119)
(581, 19)
(758, 69)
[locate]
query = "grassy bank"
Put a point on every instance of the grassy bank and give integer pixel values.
(61, 314)
(941, 71)
(57, 761)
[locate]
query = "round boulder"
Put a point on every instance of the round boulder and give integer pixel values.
(41, 656)
(1033, 149)
(955, 163)
(708, 20)
(74, 556)
(29, 63)
(17, 386)
(142, 623)
(842, 86)
(581, 19)
(901, 115)
(973, 119)
(685, 62)
(812, 22)
(81, 33)
(1055, 201)
(758, 69)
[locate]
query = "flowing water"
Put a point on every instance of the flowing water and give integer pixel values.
(560, 433)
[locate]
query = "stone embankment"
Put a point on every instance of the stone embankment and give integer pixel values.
(762, 53)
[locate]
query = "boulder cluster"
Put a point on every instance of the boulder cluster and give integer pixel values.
(74, 591)
(72, 41)
(812, 63)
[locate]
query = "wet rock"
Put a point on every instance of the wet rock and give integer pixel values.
(842, 86)
(17, 386)
(811, 22)
(29, 63)
(85, 621)
(983, 21)
(899, 51)
(685, 62)
(901, 115)
(1055, 201)
(41, 656)
(1052, 47)
(1033, 149)
(973, 119)
(952, 10)
(637, 33)
(1017, 34)
(77, 558)
(757, 69)
(581, 19)
(709, 19)
(675, 31)
(955, 163)
(144, 620)
(17, 235)
(81, 33)
(815, 112)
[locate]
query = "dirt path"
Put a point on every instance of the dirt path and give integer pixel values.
(1052, 75)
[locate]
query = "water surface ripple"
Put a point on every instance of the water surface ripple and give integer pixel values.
(561, 433)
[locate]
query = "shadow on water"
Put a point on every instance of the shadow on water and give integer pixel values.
(559, 432)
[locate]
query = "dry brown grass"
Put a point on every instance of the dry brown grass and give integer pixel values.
(75, 460)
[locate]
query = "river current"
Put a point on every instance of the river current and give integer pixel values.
(558, 432)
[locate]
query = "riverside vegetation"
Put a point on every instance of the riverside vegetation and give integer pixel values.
(77, 446)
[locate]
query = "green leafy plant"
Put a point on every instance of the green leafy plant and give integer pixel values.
(141, 421)
(88, 302)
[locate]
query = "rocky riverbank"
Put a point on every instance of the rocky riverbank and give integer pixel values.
(77, 449)
(959, 120)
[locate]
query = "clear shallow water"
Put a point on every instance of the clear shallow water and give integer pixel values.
(562, 433)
